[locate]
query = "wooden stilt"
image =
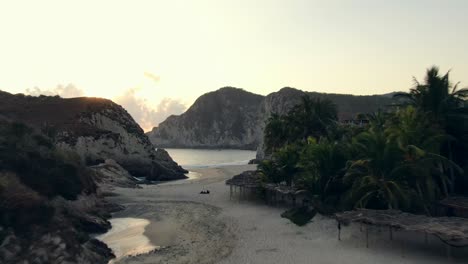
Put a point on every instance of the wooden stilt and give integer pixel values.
(230, 192)
(367, 236)
(403, 245)
(449, 252)
(426, 239)
(339, 231)
(390, 232)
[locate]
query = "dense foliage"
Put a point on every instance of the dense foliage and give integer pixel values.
(33, 171)
(406, 158)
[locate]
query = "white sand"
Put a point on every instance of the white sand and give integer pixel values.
(197, 228)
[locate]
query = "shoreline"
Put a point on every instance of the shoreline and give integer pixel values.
(199, 228)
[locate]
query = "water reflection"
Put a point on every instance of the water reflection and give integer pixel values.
(126, 237)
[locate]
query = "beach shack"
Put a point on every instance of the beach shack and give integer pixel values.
(452, 231)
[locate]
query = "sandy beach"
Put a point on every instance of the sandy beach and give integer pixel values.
(194, 228)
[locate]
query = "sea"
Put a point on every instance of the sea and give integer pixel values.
(202, 158)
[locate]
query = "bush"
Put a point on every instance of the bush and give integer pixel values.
(39, 165)
(20, 207)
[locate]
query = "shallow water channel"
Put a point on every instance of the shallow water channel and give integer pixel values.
(126, 237)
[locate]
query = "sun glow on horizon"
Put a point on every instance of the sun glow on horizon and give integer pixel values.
(182, 49)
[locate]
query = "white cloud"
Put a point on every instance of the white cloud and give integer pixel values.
(145, 115)
(67, 91)
(139, 108)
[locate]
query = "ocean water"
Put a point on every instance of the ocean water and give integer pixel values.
(199, 158)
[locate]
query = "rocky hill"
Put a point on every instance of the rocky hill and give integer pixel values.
(95, 128)
(226, 118)
(234, 118)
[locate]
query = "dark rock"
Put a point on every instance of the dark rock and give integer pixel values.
(301, 215)
(111, 173)
(254, 161)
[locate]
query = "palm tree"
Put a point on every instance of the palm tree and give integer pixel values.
(270, 171)
(399, 160)
(275, 133)
(421, 144)
(408, 126)
(377, 177)
(322, 165)
(282, 167)
(312, 116)
(436, 95)
(446, 105)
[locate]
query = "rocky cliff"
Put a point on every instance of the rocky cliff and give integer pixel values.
(226, 118)
(95, 128)
(234, 118)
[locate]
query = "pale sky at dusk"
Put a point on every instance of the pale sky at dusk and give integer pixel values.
(177, 50)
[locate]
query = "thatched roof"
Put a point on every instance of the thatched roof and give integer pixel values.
(456, 202)
(249, 179)
(283, 189)
(452, 230)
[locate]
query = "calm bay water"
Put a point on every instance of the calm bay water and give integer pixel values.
(197, 158)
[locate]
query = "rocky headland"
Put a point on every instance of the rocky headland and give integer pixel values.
(59, 160)
(94, 128)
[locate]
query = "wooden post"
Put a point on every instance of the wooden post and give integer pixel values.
(403, 244)
(367, 236)
(230, 192)
(390, 232)
(339, 231)
(426, 240)
(449, 252)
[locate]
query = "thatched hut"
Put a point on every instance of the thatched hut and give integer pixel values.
(250, 182)
(454, 206)
(453, 231)
(244, 184)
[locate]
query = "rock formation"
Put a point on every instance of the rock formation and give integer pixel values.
(222, 119)
(96, 129)
(234, 118)
(110, 174)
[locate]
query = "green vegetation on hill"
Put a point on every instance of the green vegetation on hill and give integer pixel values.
(32, 173)
(39, 207)
(404, 159)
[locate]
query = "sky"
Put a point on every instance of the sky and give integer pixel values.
(156, 57)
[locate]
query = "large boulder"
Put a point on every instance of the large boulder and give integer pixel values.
(110, 174)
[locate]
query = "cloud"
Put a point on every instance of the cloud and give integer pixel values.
(67, 91)
(153, 77)
(146, 116)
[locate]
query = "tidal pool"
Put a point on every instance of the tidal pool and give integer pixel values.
(126, 237)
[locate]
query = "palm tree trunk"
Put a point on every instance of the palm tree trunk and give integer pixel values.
(452, 175)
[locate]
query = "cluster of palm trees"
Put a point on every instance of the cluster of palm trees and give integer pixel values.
(405, 158)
